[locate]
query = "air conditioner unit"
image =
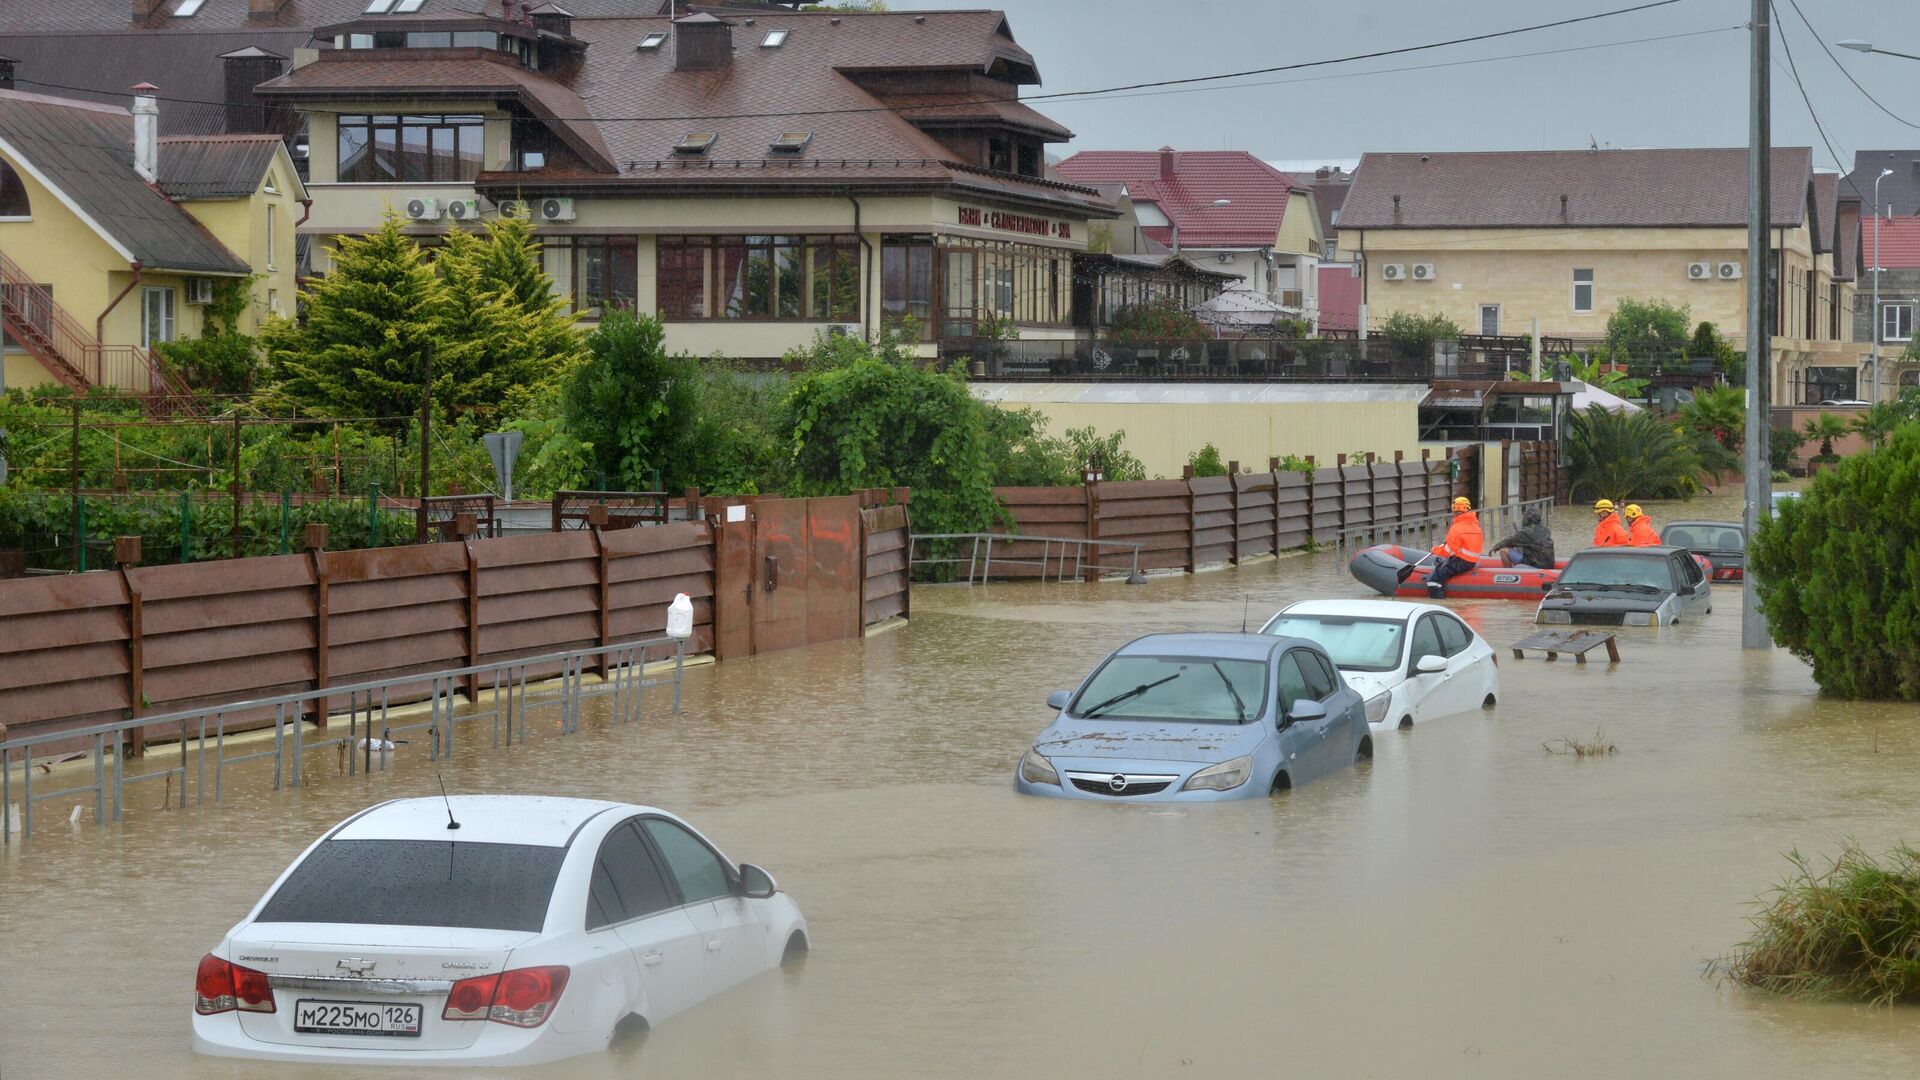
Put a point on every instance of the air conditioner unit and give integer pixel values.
(1700, 271)
(1225, 258)
(423, 209)
(556, 210)
(1393, 272)
(1423, 272)
(513, 208)
(1729, 271)
(463, 209)
(199, 290)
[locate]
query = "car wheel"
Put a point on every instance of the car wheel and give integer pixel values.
(1281, 782)
(1406, 722)
(797, 948)
(1365, 752)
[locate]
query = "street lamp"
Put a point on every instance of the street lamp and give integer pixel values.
(1867, 47)
(1875, 383)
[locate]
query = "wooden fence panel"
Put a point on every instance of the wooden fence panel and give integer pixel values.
(1059, 512)
(227, 630)
(64, 655)
(1293, 493)
(1329, 504)
(886, 529)
(535, 594)
(395, 611)
(646, 568)
(1153, 513)
(1253, 511)
(1213, 526)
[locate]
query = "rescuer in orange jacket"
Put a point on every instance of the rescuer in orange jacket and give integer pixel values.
(1461, 550)
(1640, 527)
(1607, 530)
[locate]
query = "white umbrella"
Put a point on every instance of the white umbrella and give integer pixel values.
(1589, 394)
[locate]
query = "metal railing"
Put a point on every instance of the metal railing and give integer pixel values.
(980, 561)
(203, 731)
(1426, 531)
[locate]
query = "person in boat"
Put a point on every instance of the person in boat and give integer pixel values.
(1460, 552)
(1640, 531)
(1530, 545)
(1607, 530)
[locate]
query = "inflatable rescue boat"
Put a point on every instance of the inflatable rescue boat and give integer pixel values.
(1378, 568)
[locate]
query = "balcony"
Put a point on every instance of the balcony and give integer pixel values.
(1240, 359)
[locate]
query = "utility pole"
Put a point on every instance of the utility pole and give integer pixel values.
(1759, 463)
(426, 444)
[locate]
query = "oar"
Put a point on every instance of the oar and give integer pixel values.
(1406, 571)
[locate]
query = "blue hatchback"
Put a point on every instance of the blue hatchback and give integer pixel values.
(1199, 718)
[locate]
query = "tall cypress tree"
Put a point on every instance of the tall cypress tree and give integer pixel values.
(369, 325)
(505, 330)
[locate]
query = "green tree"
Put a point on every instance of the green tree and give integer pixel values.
(1413, 335)
(1650, 328)
(632, 403)
(1593, 372)
(1720, 412)
(1860, 631)
(1629, 455)
(1823, 429)
(501, 328)
(222, 359)
(1206, 461)
(370, 324)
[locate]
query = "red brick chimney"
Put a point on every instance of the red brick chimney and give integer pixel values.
(1166, 163)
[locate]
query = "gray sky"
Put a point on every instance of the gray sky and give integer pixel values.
(1686, 92)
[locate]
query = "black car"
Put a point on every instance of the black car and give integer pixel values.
(1628, 586)
(1723, 543)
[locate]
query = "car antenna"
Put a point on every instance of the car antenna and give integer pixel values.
(1244, 601)
(451, 824)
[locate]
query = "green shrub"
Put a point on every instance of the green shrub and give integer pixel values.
(1782, 445)
(1851, 932)
(1631, 456)
(1156, 320)
(220, 363)
(1654, 328)
(1860, 631)
(1206, 461)
(1414, 335)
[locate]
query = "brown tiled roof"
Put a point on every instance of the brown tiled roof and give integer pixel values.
(1604, 188)
(959, 106)
(1900, 190)
(187, 68)
(86, 151)
(214, 166)
(372, 73)
(1846, 253)
(1826, 208)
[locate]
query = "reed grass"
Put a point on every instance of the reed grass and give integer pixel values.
(1598, 746)
(1849, 932)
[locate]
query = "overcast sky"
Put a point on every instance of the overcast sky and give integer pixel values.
(1690, 91)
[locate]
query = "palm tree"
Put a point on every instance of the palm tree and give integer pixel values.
(1719, 411)
(1826, 427)
(1629, 455)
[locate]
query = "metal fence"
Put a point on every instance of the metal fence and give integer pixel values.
(1429, 529)
(979, 561)
(518, 686)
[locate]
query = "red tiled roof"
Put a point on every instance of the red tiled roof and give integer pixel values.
(1900, 239)
(1604, 188)
(1257, 192)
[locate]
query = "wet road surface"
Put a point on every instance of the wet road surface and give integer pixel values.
(1468, 905)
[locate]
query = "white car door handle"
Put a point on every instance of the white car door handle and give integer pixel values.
(714, 945)
(653, 959)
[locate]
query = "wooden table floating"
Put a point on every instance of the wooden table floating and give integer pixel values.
(1577, 642)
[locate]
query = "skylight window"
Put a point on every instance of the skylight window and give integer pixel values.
(791, 142)
(774, 39)
(188, 9)
(652, 41)
(407, 7)
(378, 7)
(695, 143)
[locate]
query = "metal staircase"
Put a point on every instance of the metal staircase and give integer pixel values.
(76, 358)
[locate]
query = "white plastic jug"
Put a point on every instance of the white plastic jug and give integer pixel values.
(680, 617)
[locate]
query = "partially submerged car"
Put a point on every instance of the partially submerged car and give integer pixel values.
(1628, 586)
(1198, 718)
(1410, 662)
(1721, 543)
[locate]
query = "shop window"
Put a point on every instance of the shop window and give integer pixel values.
(409, 149)
(13, 195)
(759, 277)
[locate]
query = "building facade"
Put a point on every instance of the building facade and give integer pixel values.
(859, 173)
(1897, 263)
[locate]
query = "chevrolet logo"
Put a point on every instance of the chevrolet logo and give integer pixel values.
(355, 966)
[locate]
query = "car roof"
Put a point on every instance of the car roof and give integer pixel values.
(1643, 552)
(537, 820)
(1369, 609)
(1231, 646)
(1697, 524)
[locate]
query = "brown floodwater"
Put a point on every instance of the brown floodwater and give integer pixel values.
(1468, 905)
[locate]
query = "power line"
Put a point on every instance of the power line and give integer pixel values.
(1794, 71)
(1059, 96)
(1844, 71)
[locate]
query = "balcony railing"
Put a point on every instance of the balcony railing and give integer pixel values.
(1249, 359)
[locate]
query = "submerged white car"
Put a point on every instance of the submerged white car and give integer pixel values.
(1410, 662)
(528, 933)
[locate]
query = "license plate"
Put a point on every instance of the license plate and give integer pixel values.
(356, 1018)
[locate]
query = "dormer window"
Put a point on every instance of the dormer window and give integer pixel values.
(379, 7)
(774, 39)
(791, 142)
(188, 9)
(407, 7)
(652, 41)
(695, 143)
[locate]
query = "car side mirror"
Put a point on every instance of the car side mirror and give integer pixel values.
(1304, 711)
(1058, 699)
(1430, 665)
(755, 883)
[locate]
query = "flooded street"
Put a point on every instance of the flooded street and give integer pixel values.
(1468, 905)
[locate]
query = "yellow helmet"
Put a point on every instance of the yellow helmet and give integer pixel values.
(1604, 506)
(1461, 502)
(1633, 511)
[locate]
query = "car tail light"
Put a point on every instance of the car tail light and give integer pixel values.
(222, 987)
(523, 997)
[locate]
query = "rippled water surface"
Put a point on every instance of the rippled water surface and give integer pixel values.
(1469, 905)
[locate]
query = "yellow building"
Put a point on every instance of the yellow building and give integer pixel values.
(113, 240)
(1500, 242)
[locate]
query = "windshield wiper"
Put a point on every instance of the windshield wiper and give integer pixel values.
(1239, 707)
(1596, 585)
(1127, 695)
(1641, 588)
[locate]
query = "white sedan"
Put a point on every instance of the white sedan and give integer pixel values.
(1411, 662)
(487, 930)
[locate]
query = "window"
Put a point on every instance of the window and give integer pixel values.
(1183, 689)
(409, 149)
(420, 883)
(188, 9)
(651, 41)
(1029, 159)
(813, 278)
(1896, 322)
(1583, 290)
(1489, 320)
(270, 212)
(996, 278)
(906, 281)
(693, 143)
(774, 39)
(1321, 681)
(1293, 683)
(1426, 640)
(626, 881)
(13, 195)
(1453, 635)
(791, 142)
(407, 7)
(273, 301)
(606, 272)
(695, 868)
(378, 7)
(999, 155)
(1356, 644)
(156, 323)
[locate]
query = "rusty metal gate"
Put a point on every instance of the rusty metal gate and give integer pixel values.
(788, 572)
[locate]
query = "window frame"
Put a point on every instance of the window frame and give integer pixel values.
(608, 247)
(792, 265)
(1414, 653)
(669, 891)
(729, 872)
(409, 136)
(169, 317)
(1445, 622)
(13, 185)
(1577, 283)
(1314, 662)
(1888, 310)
